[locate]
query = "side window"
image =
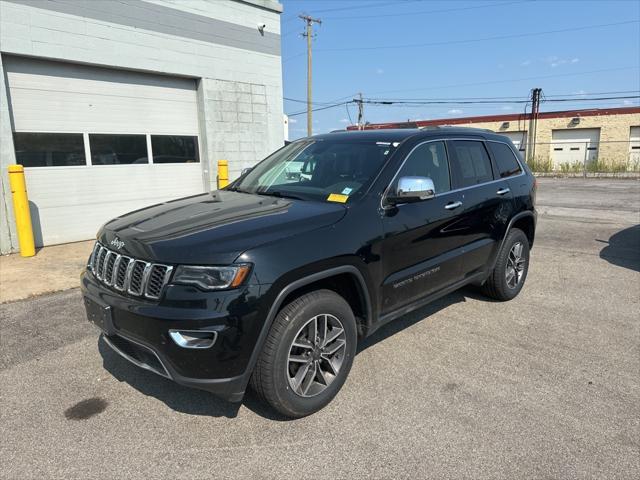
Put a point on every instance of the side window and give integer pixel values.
(505, 159)
(429, 160)
(470, 164)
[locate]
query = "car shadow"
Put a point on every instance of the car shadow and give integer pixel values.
(176, 397)
(411, 318)
(198, 402)
(623, 248)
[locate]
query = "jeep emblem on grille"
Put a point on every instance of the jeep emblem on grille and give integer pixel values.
(116, 242)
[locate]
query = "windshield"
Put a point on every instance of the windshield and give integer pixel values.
(324, 170)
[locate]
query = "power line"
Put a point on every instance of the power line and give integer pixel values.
(484, 102)
(481, 39)
(327, 102)
(517, 97)
(424, 12)
(367, 5)
(409, 104)
(318, 109)
(491, 82)
(304, 101)
(387, 15)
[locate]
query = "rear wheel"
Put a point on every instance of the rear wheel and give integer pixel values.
(510, 272)
(307, 355)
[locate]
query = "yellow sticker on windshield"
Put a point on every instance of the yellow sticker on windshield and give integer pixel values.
(336, 197)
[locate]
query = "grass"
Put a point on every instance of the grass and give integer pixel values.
(599, 165)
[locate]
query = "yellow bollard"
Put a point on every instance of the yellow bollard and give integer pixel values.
(21, 210)
(223, 173)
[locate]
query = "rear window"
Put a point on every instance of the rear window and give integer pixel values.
(505, 159)
(471, 164)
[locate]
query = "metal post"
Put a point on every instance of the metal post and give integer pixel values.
(223, 173)
(21, 211)
(584, 164)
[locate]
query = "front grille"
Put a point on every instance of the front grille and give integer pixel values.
(126, 274)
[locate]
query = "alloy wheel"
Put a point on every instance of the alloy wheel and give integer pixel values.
(316, 355)
(515, 265)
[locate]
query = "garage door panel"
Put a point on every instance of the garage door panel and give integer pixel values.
(634, 146)
(574, 146)
(41, 110)
(70, 204)
(519, 139)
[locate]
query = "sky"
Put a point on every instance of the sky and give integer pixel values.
(430, 49)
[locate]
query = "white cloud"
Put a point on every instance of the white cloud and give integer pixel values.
(455, 111)
(629, 102)
(526, 63)
(506, 107)
(344, 120)
(379, 71)
(292, 120)
(580, 92)
(554, 61)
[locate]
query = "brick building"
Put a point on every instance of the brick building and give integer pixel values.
(571, 138)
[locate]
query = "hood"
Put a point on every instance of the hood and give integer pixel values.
(213, 228)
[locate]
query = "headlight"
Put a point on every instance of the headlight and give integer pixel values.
(211, 278)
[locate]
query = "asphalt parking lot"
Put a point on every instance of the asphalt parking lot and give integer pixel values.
(545, 386)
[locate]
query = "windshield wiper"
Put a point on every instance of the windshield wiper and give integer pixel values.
(276, 193)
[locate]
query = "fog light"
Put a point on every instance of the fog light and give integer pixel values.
(193, 338)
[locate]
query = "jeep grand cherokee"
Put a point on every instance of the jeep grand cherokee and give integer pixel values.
(273, 281)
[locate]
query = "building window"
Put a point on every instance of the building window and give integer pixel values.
(49, 149)
(118, 149)
(174, 149)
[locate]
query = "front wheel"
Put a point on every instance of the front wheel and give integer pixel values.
(307, 355)
(508, 276)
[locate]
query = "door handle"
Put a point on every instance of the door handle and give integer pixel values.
(453, 205)
(503, 191)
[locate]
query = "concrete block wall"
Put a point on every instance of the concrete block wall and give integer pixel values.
(237, 116)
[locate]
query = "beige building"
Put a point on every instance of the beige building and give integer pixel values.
(600, 139)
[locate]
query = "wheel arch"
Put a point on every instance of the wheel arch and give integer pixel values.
(524, 221)
(346, 280)
(308, 283)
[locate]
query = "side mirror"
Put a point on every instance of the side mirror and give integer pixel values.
(245, 171)
(413, 189)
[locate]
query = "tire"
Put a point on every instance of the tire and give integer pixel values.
(501, 285)
(279, 377)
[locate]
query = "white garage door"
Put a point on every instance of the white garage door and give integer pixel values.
(574, 146)
(634, 147)
(519, 139)
(97, 143)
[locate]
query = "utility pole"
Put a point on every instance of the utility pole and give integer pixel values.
(309, 34)
(360, 111)
(533, 123)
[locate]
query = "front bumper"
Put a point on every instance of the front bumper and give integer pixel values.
(139, 332)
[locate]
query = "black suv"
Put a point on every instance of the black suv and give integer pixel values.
(273, 280)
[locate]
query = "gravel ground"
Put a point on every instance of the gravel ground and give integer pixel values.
(545, 386)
